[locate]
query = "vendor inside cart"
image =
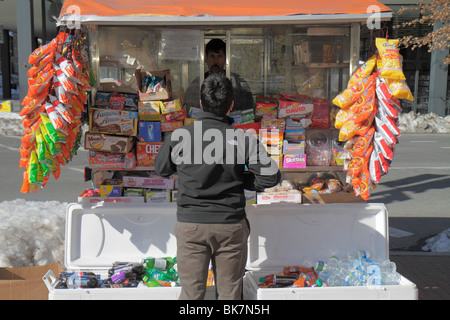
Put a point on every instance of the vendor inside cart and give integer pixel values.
(215, 53)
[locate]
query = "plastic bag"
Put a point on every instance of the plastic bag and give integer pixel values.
(390, 64)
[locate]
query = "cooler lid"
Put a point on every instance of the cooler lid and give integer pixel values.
(285, 234)
(97, 236)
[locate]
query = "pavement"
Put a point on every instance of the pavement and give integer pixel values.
(429, 272)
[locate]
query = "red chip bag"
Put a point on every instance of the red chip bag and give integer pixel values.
(384, 131)
(375, 167)
(383, 146)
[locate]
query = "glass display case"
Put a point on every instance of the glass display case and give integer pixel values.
(312, 60)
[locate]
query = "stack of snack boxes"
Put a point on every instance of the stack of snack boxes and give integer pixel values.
(126, 132)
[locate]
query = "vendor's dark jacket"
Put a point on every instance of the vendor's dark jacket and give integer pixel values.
(213, 192)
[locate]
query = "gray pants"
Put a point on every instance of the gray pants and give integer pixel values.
(225, 245)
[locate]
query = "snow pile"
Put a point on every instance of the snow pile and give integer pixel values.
(31, 232)
(11, 124)
(427, 123)
(439, 243)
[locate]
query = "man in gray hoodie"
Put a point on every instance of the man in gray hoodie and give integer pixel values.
(215, 163)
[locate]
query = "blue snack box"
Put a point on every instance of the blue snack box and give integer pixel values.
(149, 131)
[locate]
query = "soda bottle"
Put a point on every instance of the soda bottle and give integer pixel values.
(77, 281)
(150, 282)
(157, 263)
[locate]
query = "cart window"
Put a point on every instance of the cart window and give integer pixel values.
(123, 49)
(305, 60)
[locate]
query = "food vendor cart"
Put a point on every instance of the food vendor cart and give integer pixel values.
(300, 48)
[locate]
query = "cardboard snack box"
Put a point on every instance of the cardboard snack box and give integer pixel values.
(115, 122)
(150, 131)
(150, 110)
(150, 183)
(107, 143)
(111, 161)
(146, 153)
(163, 91)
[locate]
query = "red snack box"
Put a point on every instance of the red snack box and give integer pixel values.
(146, 153)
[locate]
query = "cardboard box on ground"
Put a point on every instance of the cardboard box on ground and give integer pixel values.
(26, 283)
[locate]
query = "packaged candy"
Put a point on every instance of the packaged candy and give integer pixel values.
(390, 65)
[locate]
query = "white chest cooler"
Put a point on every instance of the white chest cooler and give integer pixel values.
(284, 235)
(281, 235)
(97, 236)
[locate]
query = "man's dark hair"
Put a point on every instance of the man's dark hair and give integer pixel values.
(215, 45)
(217, 94)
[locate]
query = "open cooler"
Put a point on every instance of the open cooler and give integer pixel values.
(97, 236)
(284, 235)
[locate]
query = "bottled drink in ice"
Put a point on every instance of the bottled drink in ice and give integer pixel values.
(333, 263)
(162, 264)
(77, 281)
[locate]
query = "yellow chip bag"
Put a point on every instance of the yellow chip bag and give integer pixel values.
(399, 89)
(364, 71)
(390, 65)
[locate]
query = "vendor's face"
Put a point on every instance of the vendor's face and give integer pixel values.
(216, 61)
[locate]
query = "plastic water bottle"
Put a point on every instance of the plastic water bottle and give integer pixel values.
(363, 254)
(77, 281)
(319, 266)
(333, 263)
(374, 275)
(324, 275)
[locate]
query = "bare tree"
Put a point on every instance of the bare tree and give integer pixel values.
(434, 13)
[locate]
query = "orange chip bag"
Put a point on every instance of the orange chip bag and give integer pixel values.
(352, 93)
(364, 71)
(390, 65)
